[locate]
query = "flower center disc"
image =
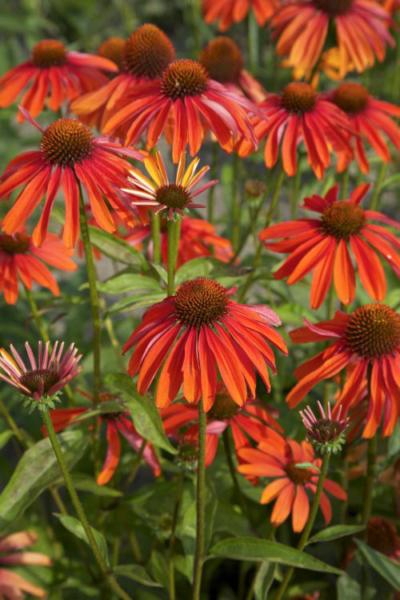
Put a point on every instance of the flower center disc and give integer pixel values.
(148, 52)
(40, 381)
(334, 7)
(298, 97)
(66, 142)
(173, 196)
(49, 53)
(297, 475)
(373, 330)
(382, 536)
(326, 430)
(343, 219)
(200, 302)
(222, 60)
(184, 77)
(351, 97)
(113, 49)
(223, 408)
(14, 244)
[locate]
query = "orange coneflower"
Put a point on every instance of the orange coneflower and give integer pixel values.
(54, 75)
(369, 118)
(227, 12)
(21, 261)
(300, 115)
(283, 461)
(366, 342)
(159, 194)
(321, 246)
(145, 55)
(197, 238)
(224, 63)
(198, 333)
(13, 553)
(69, 157)
(117, 424)
(302, 26)
(184, 104)
(113, 48)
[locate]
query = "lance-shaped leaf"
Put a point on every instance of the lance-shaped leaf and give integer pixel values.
(116, 248)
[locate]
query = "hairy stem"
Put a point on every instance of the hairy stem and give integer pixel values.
(174, 228)
(200, 505)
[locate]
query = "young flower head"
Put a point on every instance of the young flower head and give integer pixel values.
(325, 432)
(12, 552)
(69, 158)
(159, 194)
(228, 12)
(224, 62)
(197, 238)
(325, 247)
(117, 424)
(53, 75)
(21, 261)
(283, 460)
(366, 343)
(300, 115)
(184, 104)
(45, 374)
(197, 334)
(361, 26)
(370, 121)
(143, 58)
(113, 48)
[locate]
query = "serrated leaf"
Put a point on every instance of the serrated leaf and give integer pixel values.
(129, 282)
(144, 413)
(387, 568)
(198, 267)
(36, 471)
(335, 533)
(136, 573)
(253, 549)
(116, 248)
(75, 527)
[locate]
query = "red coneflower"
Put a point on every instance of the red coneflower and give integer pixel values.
(145, 55)
(369, 118)
(54, 75)
(12, 552)
(159, 194)
(198, 238)
(198, 333)
(69, 157)
(184, 104)
(283, 461)
(227, 12)
(382, 536)
(113, 48)
(46, 374)
(302, 26)
(21, 261)
(223, 60)
(366, 342)
(300, 115)
(116, 424)
(321, 246)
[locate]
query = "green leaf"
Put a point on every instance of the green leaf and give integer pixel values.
(198, 267)
(75, 527)
(129, 282)
(86, 484)
(263, 581)
(5, 436)
(144, 413)
(36, 471)
(392, 181)
(335, 533)
(253, 549)
(348, 589)
(387, 568)
(135, 303)
(136, 573)
(116, 248)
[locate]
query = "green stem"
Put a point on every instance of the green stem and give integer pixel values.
(174, 229)
(40, 326)
(376, 196)
(309, 525)
(253, 40)
(270, 215)
(94, 300)
(211, 191)
(345, 183)
(294, 196)
(156, 237)
(232, 469)
(370, 479)
(200, 505)
(112, 582)
(172, 540)
(235, 202)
